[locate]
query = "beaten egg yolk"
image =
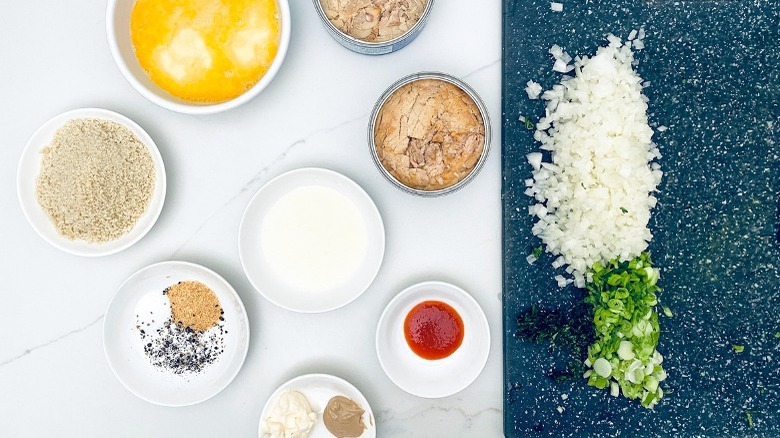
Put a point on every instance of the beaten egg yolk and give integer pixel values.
(205, 50)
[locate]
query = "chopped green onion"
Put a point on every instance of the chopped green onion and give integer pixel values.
(667, 312)
(623, 210)
(624, 357)
(738, 348)
(777, 335)
(625, 351)
(749, 418)
(614, 389)
(602, 367)
(537, 252)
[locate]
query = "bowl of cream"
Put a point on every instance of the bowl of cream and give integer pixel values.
(311, 240)
(198, 56)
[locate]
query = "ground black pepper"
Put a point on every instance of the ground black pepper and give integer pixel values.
(182, 350)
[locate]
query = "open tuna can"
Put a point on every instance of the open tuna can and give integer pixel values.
(429, 134)
(371, 27)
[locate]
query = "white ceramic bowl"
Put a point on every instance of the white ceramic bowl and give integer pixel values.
(120, 43)
(259, 269)
(29, 168)
(318, 390)
(432, 378)
(124, 348)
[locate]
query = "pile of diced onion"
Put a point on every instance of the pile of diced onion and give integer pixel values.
(594, 193)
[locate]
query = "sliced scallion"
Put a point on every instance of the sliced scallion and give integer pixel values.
(624, 356)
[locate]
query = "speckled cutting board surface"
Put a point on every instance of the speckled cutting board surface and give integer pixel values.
(714, 68)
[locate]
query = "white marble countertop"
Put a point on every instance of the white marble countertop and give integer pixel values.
(54, 378)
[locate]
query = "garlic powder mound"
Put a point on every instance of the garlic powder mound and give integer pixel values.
(374, 20)
(194, 305)
(96, 180)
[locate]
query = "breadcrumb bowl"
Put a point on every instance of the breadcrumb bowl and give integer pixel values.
(30, 167)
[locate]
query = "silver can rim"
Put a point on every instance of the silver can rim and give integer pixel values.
(367, 44)
(485, 120)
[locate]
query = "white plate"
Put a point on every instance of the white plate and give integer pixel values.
(30, 165)
(141, 293)
(318, 390)
(432, 378)
(258, 268)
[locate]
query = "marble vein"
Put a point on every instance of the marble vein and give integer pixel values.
(260, 175)
(51, 342)
(386, 416)
(484, 67)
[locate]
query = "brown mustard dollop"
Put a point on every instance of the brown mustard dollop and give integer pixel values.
(344, 418)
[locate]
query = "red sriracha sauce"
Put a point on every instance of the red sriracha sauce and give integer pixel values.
(433, 330)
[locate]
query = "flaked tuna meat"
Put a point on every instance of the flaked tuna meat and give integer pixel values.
(429, 134)
(374, 20)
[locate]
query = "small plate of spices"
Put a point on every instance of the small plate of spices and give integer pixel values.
(91, 182)
(175, 333)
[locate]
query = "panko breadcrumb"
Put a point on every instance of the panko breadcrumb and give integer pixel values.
(96, 180)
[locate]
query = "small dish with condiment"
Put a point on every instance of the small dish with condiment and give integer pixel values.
(433, 339)
(318, 391)
(311, 240)
(169, 362)
(99, 218)
(429, 134)
(373, 28)
(198, 57)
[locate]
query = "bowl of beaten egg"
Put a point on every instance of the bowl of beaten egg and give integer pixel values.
(198, 56)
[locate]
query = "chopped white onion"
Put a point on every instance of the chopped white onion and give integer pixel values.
(533, 89)
(597, 190)
(561, 66)
(535, 159)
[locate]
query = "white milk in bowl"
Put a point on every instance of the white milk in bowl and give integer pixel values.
(314, 239)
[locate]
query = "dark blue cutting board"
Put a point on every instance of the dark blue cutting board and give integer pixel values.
(715, 74)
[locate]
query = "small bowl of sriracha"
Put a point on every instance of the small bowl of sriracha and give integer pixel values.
(433, 339)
